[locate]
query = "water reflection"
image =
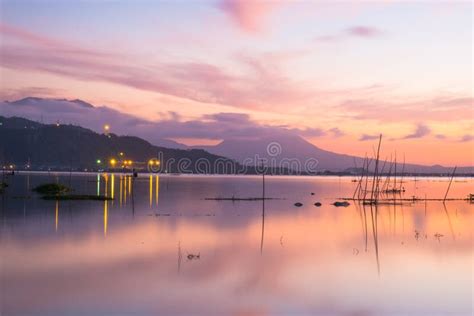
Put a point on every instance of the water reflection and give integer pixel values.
(157, 188)
(98, 184)
(120, 190)
(112, 186)
(151, 189)
(375, 232)
(56, 217)
(106, 217)
(263, 226)
(114, 263)
(449, 221)
(154, 192)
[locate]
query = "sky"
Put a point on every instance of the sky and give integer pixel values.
(336, 73)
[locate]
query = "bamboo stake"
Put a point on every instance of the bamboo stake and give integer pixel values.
(366, 181)
(358, 182)
(395, 172)
(449, 186)
(376, 169)
(387, 179)
(403, 171)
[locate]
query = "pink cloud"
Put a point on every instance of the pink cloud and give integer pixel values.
(262, 86)
(249, 15)
(366, 137)
(467, 138)
(364, 31)
(441, 108)
(211, 126)
(26, 36)
(354, 31)
(421, 131)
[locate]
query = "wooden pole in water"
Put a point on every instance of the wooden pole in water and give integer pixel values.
(395, 173)
(449, 186)
(387, 179)
(403, 171)
(377, 187)
(366, 179)
(263, 179)
(375, 178)
(360, 179)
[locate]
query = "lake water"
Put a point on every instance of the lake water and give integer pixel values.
(160, 248)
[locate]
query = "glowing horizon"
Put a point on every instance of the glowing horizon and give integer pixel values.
(336, 74)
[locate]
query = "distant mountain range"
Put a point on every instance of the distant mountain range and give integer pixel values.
(81, 113)
(32, 145)
(284, 149)
(290, 148)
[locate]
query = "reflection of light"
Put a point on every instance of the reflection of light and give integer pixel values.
(151, 189)
(112, 185)
(124, 190)
(129, 185)
(157, 188)
(106, 177)
(105, 217)
(98, 184)
(56, 221)
(120, 189)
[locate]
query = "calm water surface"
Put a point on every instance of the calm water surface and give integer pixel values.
(134, 255)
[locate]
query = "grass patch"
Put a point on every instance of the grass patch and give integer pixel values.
(51, 189)
(55, 191)
(3, 186)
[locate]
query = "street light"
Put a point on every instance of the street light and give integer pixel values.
(113, 162)
(106, 128)
(154, 162)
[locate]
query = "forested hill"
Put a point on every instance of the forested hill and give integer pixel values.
(63, 147)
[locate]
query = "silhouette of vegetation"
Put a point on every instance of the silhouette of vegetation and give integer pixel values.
(3, 186)
(52, 189)
(77, 197)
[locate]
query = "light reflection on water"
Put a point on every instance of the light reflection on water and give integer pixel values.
(132, 255)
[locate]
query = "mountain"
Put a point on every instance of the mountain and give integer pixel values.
(292, 151)
(302, 155)
(33, 101)
(42, 146)
(81, 113)
(281, 148)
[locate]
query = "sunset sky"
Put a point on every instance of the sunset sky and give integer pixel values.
(338, 74)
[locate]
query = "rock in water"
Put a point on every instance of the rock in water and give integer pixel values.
(344, 203)
(318, 204)
(298, 204)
